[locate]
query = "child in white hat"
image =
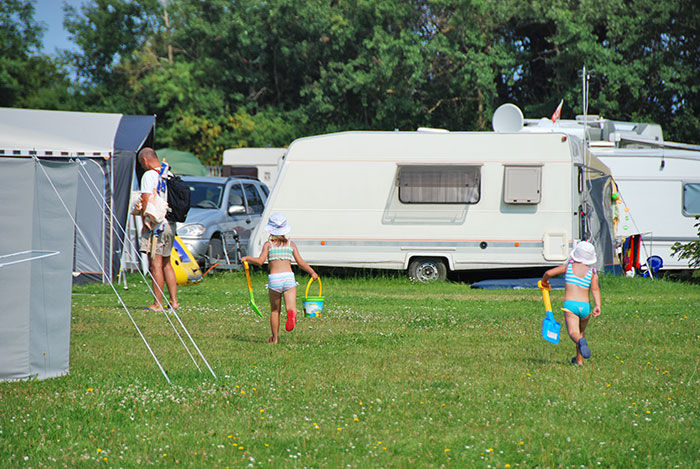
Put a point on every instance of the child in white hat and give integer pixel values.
(279, 252)
(579, 280)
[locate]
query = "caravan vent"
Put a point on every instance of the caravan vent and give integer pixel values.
(522, 184)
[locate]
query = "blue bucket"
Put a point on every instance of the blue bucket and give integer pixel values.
(313, 305)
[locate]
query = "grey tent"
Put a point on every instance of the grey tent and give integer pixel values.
(105, 146)
(36, 255)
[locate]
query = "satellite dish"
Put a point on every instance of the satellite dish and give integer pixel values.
(507, 118)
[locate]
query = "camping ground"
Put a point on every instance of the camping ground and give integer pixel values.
(393, 374)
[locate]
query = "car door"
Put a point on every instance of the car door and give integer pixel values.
(238, 222)
(255, 206)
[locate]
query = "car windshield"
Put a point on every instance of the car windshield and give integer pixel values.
(205, 194)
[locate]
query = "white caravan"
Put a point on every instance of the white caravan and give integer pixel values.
(432, 201)
(660, 187)
(658, 181)
(262, 163)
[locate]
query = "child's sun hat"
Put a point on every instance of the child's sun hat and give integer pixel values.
(277, 225)
(584, 252)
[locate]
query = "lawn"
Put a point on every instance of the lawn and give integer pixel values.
(393, 374)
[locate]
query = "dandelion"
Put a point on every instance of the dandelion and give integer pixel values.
(99, 450)
(90, 389)
(262, 410)
(447, 450)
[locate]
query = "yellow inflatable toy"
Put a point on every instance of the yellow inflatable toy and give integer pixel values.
(186, 269)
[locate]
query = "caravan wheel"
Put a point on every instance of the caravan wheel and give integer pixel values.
(427, 269)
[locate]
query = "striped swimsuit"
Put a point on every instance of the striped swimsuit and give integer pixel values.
(282, 281)
(580, 308)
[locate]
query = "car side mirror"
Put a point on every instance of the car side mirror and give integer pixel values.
(236, 209)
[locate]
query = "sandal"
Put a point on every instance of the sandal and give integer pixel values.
(291, 320)
(583, 347)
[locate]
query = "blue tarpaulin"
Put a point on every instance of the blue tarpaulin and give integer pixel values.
(517, 283)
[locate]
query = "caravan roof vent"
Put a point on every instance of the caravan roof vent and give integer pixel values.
(507, 118)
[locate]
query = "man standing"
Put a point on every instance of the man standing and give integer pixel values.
(158, 241)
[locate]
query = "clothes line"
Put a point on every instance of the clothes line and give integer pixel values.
(35, 253)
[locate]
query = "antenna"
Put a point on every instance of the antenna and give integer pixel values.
(507, 118)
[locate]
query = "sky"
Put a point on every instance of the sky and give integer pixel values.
(50, 12)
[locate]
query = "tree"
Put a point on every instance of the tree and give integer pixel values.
(27, 78)
(227, 73)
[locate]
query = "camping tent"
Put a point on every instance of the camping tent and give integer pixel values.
(105, 145)
(36, 255)
(182, 163)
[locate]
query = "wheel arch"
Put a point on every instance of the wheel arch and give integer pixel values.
(449, 261)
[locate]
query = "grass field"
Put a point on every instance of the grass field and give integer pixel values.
(393, 374)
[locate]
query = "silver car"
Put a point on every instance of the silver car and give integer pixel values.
(218, 207)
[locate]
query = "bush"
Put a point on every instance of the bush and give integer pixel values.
(690, 251)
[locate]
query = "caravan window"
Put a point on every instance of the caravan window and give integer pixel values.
(439, 184)
(522, 184)
(691, 199)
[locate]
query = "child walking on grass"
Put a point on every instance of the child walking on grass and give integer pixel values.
(279, 252)
(579, 279)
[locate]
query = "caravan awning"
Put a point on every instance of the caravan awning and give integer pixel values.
(26, 132)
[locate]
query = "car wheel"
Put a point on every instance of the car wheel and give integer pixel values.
(427, 269)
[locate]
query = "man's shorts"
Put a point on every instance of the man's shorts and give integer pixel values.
(164, 240)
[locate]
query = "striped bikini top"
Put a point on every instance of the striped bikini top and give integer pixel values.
(280, 253)
(584, 282)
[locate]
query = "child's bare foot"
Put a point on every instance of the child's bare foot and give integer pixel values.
(575, 362)
(273, 341)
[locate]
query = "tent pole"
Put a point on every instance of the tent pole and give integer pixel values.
(174, 313)
(145, 281)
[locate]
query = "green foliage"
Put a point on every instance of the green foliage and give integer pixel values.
(228, 73)
(393, 374)
(28, 79)
(690, 251)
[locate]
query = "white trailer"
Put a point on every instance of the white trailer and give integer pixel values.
(262, 163)
(660, 187)
(432, 201)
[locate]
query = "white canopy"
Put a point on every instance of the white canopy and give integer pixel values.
(57, 133)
